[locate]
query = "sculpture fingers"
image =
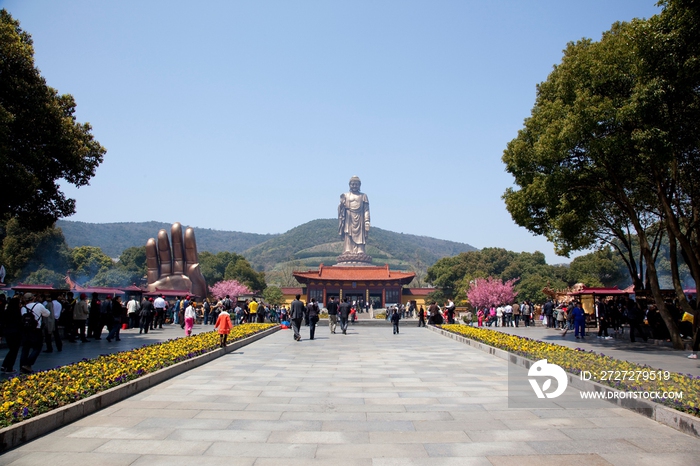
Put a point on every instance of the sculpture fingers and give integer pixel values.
(166, 262)
(177, 248)
(153, 271)
(191, 256)
(199, 284)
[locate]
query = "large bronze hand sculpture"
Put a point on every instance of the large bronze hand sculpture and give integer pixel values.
(176, 267)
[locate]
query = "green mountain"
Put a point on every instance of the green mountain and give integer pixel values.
(318, 242)
(113, 238)
(307, 245)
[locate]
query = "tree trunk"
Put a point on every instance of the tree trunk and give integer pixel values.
(653, 278)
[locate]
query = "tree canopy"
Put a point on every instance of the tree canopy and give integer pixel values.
(610, 153)
(41, 143)
(230, 266)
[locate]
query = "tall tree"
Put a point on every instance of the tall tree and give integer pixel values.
(87, 261)
(610, 145)
(41, 143)
(24, 252)
(273, 295)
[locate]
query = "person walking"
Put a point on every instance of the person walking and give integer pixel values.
(516, 314)
(117, 314)
(253, 311)
(80, 315)
(635, 317)
(549, 313)
(312, 311)
(332, 314)
(450, 310)
(603, 319)
(344, 314)
(579, 321)
(146, 315)
(296, 314)
(223, 326)
(207, 308)
(132, 311)
(190, 316)
(11, 331)
(94, 319)
(160, 306)
(395, 317)
(421, 317)
(526, 310)
(33, 314)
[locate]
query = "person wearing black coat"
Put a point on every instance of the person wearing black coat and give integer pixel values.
(296, 315)
(343, 314)
(11, 331)
(95, 323)
(312, 312)
(395, 317)
(146, 315)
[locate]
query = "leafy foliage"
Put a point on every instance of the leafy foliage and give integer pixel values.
(88, 260)
(232, 288)
(454, 274)
(113, 277)
(230, 266)
(273, 295)
(40, 140)
(611, 148)
(599, 268)
(24, 251)
(46, 277)
(491, 291)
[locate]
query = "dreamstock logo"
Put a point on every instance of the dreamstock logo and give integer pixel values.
(543, 369)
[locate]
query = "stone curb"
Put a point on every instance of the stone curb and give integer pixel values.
(25, 431)
(670, 417)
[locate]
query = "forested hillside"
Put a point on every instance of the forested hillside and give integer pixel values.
(318, 240)
(113, 238)
(310, 244)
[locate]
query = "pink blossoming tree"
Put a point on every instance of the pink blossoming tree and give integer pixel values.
(229, 287)
(484, 292)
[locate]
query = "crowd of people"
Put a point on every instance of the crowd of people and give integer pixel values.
(31, 322)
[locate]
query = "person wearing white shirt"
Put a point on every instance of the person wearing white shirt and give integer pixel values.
(32, 339)
(160, 305)
(132, 311)
(190, 316)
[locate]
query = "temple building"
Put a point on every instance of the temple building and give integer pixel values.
(378, 286)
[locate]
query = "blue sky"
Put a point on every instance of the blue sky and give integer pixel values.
(253, 115)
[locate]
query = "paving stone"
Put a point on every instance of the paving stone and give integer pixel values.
(361, 400)
(479, 449)
(371, 451)
(262, 450)
(553, 460)
(71, 459)
(651, 459)
(184, 460)
(319, 437)
(154, 447)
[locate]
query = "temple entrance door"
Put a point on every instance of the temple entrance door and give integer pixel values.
(376, 300)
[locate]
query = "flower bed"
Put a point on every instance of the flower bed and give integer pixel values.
(28, 396)
(577, 360)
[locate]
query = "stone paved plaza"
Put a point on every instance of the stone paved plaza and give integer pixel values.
(368, 398)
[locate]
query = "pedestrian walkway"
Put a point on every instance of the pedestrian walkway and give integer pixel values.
(656, 356)
(366, 398)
